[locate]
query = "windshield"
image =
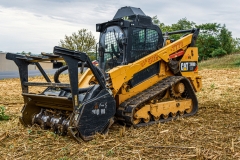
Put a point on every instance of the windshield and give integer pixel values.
(112, 48)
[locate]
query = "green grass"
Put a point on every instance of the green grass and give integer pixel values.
(228, 61)
(3, 116)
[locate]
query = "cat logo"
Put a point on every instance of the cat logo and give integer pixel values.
(188, 66)
(184, 66)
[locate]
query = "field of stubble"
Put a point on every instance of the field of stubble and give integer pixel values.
(213, 133)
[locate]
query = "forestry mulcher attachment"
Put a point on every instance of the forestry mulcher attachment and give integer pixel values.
(142, 78)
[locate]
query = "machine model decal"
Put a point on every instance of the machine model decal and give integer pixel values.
(188, 66)
(100, 109)
(177, 46)
(150, 60)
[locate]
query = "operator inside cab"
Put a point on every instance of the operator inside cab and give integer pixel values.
(111, 45)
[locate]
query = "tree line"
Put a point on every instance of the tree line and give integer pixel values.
(82, 40)
(214, 39)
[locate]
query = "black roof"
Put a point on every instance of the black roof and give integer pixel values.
(128, 11)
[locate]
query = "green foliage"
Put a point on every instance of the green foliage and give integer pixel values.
(155, 20)
(25, 53)
(214, 39)
(209, 28)
(228, 61)
(3, 116)
(92, 55)
(29, 131)
(110, 152)
(206, 45)
(82, 41)
(218, 52)
(183, 24)
(212, 86)
(236, 45)
(164, 28)
(64, 158)
(207, 41)
(225, 39)
(237, 62)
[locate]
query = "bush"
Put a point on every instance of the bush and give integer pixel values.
(218, 52)
(3, 116)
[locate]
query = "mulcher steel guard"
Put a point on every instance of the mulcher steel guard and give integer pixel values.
(84, 121)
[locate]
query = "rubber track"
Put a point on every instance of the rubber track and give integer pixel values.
(125, 110)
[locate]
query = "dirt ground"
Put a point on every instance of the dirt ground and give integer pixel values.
(213, 133)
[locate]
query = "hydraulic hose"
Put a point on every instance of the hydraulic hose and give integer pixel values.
(62, 69)
(80, 90)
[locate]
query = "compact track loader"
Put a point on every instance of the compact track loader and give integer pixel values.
(142, 78)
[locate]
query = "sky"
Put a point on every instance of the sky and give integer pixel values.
(38, 25)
